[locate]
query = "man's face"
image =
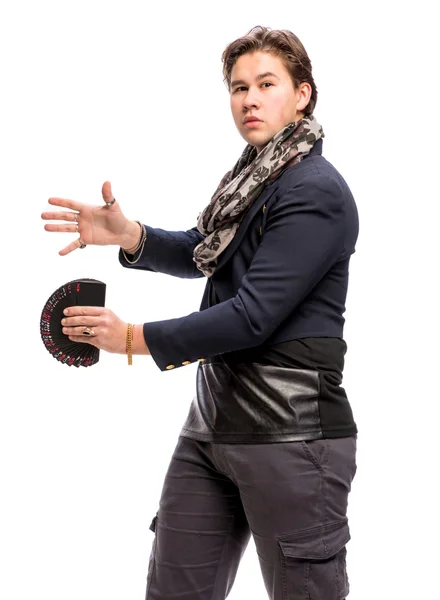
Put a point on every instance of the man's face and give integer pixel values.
(272, 99)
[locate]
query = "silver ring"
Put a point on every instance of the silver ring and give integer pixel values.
(81, 244)
(111, 202)
(89, 331)
(77, 228)
(75, 217)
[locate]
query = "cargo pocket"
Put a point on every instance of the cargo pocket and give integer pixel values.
(152, 558)
(313, 563)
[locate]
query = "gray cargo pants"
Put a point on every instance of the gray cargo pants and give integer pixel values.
(292, 497)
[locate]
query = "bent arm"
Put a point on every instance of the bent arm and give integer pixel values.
(169, 252)
(303, 238)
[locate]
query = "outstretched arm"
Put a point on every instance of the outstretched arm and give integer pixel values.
(169, 252)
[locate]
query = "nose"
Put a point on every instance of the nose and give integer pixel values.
(251, 100)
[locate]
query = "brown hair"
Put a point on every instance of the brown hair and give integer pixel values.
(281, 43)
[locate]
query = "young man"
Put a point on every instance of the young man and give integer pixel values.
(269, 444)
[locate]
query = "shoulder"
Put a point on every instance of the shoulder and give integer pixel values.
(314, 178)
(313, 170)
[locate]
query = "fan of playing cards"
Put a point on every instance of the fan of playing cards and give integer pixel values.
(79, 292)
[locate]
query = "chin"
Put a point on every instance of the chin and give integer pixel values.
(259, 142)
(255, 137)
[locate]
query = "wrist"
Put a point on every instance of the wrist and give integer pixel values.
(131, 237)
(139, 344)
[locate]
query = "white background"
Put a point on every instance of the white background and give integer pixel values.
(132, 92)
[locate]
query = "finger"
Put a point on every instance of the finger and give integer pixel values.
(79, 331)
(59, 216)
(83, 339)
(81, 320)
(83, 311)
(107, 193)
(71, 247)
(72, 228)
(66, 203)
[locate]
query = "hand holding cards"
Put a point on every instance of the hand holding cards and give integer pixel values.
(85, 292)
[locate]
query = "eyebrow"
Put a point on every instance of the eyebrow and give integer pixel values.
(262, 76)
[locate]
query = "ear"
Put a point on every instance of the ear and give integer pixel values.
(303, 94)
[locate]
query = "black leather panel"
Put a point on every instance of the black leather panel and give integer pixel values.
(255, 400)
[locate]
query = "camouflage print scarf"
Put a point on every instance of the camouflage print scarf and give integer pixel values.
(240, 187)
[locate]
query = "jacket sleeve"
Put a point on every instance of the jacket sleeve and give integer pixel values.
(303, 237)
(169, 252)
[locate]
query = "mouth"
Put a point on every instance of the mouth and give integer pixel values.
(253, 123)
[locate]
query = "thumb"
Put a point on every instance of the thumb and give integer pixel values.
(107, 193)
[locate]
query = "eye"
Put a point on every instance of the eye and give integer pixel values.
(244, 87)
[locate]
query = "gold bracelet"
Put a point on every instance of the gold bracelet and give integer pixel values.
(129, 340)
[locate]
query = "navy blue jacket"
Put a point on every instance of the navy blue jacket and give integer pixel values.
(283, 277)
